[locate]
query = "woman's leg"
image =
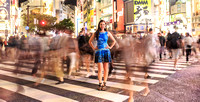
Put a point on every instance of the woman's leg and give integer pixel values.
(100, 67)
(105, 66)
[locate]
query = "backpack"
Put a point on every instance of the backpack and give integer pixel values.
(175, 41)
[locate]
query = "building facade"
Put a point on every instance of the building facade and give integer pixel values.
(9, 17)
(138, 15)
(195, 16)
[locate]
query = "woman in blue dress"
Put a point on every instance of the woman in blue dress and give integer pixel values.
(102, 52)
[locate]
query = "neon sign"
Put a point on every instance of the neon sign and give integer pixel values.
(4, 10)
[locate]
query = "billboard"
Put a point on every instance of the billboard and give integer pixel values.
(48, 9)
(142, 11)
(4, 10)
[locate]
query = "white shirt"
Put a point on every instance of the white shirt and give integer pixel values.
(188, 41)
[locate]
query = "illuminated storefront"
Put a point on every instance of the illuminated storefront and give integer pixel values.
(8, 17)
(164, 21)
(14, 18)
(4, 17)
(106, 14)
(196, 17)
(181, 11)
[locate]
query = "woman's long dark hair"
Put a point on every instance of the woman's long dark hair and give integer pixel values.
(99, 29)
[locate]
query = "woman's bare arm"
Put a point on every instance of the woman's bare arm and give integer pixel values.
(113, 39)
(90, 41)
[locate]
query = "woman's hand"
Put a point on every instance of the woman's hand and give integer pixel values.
(95, 48)
(108, 47)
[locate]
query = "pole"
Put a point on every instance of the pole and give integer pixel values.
(28, 17)
(146, 26)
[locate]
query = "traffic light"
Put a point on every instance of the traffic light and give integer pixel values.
(43, 22)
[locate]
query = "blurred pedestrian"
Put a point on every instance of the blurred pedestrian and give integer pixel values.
(176, 43)
(198, 42)
(162, 43)
(188, 46)
(168, 44)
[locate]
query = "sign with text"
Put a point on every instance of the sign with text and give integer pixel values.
(4, 10)
(142, 11)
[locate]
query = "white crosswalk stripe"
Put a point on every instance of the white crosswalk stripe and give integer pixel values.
(121, 77)
(31, 92)
(159, 69)
(65, 86)
(94, 81)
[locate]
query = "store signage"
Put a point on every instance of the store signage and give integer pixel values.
(172, 23)
(4, 10)
(142, 11)
(141, 2)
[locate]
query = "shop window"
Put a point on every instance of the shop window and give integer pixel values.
(141, 27)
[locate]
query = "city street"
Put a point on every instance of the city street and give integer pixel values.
(99, 50)
(166, 85)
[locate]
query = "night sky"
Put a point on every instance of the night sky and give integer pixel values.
(72, 2)
(20, 1)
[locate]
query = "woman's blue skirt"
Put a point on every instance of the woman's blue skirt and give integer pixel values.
(102, 55)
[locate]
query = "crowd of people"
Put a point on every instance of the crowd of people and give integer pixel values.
(101, 48)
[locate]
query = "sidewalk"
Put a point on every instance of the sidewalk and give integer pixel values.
(183, 86)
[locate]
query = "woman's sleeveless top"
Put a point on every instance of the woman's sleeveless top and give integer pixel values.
(102, 41)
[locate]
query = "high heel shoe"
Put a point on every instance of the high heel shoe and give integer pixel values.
(147, 77)
(104, 86)
(100, 86)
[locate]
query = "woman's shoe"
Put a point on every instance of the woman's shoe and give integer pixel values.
(100, 86)
(60, 82)
(147, 77)
(104, 86)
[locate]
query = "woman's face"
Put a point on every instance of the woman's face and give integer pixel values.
(102, 25)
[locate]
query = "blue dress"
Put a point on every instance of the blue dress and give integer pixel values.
(102, 54)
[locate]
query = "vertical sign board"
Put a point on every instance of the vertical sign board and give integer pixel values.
(142, 11)
(4, 10)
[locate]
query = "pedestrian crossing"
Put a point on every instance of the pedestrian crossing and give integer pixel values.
(81, 88)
